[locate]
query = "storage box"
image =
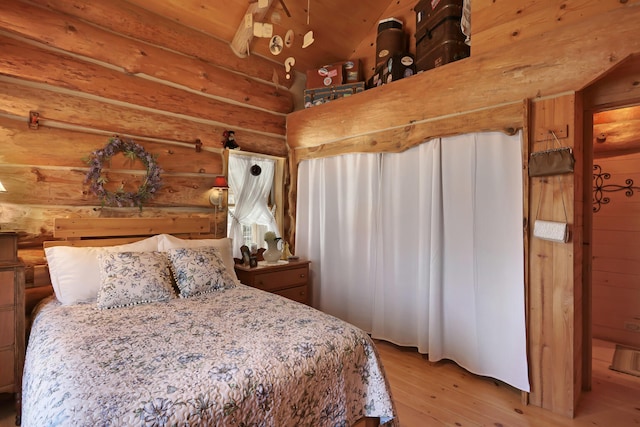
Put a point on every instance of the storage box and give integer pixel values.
(391, 40)
(323, 95)
(439, 38)
(328, 75)
(352, 71)
(444, 53)
(426, 11)
(397, 67)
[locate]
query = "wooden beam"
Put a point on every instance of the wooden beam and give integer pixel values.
(616, 132)
(25, 61)
(619, 87)
(39, 185)
(23, 146)
(58, 108)
(553, 335)
(480, 81)
(136, 57)
(125, 18)
(506, 118)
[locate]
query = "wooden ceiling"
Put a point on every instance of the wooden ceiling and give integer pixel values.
(338, 26)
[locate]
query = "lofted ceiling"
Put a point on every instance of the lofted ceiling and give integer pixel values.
(338, 26)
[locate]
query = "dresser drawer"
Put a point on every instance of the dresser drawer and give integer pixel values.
(7, 327)
(7, 288)
(7, 360)
(270, 281)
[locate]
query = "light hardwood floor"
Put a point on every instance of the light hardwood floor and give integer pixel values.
(435, 394)
(443, 394)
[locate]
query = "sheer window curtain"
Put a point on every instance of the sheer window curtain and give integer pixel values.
(251, 194)
(429, 251)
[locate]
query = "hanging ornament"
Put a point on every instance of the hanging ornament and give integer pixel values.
(308, 39)
(288, 65)
(275, 45)
(288, 38)
(255, 170)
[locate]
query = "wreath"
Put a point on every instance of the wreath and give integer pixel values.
(119, 197)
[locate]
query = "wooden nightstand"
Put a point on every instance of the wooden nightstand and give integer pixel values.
(12, 335)
(289, 279)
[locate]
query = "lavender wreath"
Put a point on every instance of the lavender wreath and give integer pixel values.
(119, 197)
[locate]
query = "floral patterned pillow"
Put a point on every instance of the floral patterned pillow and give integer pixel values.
(130, 278)
(199, 270)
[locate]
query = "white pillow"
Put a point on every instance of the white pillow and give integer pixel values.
(75, 271)
(167, 241)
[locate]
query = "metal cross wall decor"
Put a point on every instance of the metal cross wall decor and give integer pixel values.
(599, 188)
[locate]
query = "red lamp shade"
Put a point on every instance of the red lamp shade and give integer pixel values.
(215, 196)
(220, 182)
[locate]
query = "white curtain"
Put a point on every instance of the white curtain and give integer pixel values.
(336, 227)
(251, 194)
(424, 248)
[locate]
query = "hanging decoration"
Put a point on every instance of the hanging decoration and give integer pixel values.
(289, 37)
(288, 65)
(308, 39)
(98, 159)
(275, 45)
(255, 170)
(599, 188)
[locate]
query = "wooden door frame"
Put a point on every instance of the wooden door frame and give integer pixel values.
(617, 88)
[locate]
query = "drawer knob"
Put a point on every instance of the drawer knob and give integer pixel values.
(302, 275)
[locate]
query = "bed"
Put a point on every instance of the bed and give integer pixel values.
(172, 338)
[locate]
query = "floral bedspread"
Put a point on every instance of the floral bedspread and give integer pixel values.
(239, 357)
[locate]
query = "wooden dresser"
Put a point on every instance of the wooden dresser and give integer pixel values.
(289, 279)
(12, 334)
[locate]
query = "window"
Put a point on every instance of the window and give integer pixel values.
(255, 198)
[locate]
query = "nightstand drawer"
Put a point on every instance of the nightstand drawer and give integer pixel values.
(288, 279)
(299, 293)
(274, 280)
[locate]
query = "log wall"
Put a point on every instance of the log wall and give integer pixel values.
(153, 80)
